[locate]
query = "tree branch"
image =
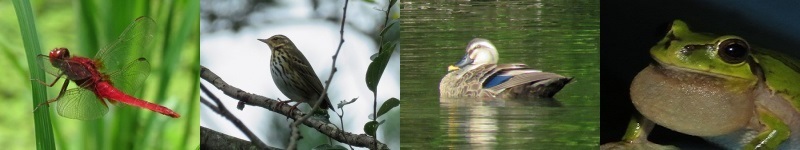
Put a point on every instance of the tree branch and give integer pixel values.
(213, 140)
(360, 140)
(220, 109)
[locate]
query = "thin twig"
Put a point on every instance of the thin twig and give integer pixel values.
(227, 114)
(213, 140)
(359, 140)
(209, 105)
(342, 123)
(295, 129)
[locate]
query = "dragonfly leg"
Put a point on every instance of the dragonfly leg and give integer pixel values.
(51, 84)
(60, 94)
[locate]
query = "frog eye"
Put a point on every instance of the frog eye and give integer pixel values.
(733, 51)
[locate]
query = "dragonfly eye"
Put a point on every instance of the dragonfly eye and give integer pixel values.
(60, 53)
(65, 53)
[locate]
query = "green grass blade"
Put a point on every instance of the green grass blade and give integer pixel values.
(193, 125)
(87, 27)
(88, 44)
(30, 39)
(8, 54)
(174, 42)
(192, 20)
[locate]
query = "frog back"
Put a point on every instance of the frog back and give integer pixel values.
(782, 74)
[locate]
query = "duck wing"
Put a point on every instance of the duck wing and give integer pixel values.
(512, 75)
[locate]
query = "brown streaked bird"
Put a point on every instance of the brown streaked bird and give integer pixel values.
(292, 73)
(478, 75)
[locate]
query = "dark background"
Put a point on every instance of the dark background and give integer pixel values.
(629, 28)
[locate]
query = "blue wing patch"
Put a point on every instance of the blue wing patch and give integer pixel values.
(496, 80)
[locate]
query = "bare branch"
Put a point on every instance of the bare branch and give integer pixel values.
(213, 140)
(220, 109)
(330, 130)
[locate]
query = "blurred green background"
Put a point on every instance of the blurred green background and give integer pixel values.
(85, 27)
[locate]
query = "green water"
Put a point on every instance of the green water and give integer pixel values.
(554, 36)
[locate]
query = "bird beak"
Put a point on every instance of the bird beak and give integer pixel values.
(452, 68)
(464, 61)
(263, 40)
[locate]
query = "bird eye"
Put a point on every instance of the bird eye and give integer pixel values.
(733, 51)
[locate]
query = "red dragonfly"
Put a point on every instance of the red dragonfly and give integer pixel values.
(116, 72)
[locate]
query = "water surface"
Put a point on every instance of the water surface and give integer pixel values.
(554, 36)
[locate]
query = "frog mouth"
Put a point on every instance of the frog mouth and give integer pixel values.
(669, 66)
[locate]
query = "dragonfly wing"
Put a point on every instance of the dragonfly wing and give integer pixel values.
(130, 79)
(129, 46)
(44, 63)
(82, 104)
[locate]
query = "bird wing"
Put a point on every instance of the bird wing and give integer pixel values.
(518, 77)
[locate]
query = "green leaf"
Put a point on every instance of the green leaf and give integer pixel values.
(394, 11)
(376, 68)
(345, 102)
(370, 128)
(391, 32)
(30, 40)
(372, 58)
(388, 105)
(392, 3)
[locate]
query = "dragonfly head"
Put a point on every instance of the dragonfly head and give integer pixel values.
(59, 54)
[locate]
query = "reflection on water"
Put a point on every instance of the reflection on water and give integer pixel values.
(476, 123)
(554, 36)
(479, 102)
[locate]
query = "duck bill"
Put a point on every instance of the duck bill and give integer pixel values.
(452, 68)
(463, 62)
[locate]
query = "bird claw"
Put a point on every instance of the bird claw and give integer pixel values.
(291, 111)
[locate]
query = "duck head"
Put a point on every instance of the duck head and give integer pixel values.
(479, 51)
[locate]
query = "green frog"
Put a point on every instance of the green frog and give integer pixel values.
(719, 88)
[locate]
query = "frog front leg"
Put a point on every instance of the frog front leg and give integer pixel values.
(635, 137)
(775, 132)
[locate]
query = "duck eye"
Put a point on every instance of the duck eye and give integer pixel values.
(733, 51)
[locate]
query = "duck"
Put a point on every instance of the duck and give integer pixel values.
(477, 75)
